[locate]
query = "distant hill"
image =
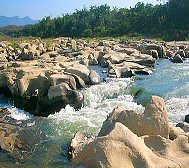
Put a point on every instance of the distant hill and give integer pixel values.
(6, 21)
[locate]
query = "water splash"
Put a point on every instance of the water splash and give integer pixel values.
(99, 101)
(19, 114)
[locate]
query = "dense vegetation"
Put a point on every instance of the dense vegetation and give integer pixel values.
(168, 21)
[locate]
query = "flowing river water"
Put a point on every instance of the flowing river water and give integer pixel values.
(168, 80)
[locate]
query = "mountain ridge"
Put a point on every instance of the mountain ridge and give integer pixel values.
(15, 20)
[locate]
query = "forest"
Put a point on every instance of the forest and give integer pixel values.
(168, 21)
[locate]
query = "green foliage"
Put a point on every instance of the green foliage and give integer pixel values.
(168, 21)
(88, 33)
(48, 43)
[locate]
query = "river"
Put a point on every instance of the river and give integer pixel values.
(168, 80)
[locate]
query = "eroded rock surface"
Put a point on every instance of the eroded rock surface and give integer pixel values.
(31, 70)
(128, 139)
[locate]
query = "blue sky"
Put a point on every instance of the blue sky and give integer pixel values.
(37, 9)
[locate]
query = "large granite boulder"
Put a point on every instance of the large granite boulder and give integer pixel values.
(57, 79)
(154, 120)
(76, 68)
(130, 139)
(120, 147)
(30, 83)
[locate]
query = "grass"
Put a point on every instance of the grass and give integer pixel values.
(117, 38)
(129, 38)
(13, 42)
(48, 42)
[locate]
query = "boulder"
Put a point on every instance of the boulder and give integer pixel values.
(30, 82)
(75, 99)
(159, 48)
(181, 53)
(41, 48)
(2, 50)
(58, 92)
(57, 98)
(57, 79)
(26, 54)
(142, 59)
(184, 126)
(94, 78)
(79, 82)
(104, 43)
(120, 72)
(175, 132)
(2, 44)
(3, 57)
(120, 147)
(128, 69)
(92, 59)
(77, 144)
(77, 69)
(128, 51)
(154, 54)
(177, 59)
(169, 54)
(73, 45)
(117, 58)
(154, 120)
(187, 118)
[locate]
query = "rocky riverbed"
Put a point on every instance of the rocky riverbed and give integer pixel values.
(42, 80)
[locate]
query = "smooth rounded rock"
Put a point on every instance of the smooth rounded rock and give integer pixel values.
(94, 78)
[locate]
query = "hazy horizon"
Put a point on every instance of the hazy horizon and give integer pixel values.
(38, 9)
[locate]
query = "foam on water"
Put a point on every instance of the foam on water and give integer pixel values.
(20, 114)
(170, 81)
(99, 101)
(16, 113)
(177, 109)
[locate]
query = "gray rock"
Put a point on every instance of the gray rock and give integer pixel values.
(184, 126)
(187, 118)
(94, 78)
(177, 59)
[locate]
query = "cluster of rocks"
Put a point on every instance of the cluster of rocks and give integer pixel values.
(131, 139)
(178, 51)
(44, 78)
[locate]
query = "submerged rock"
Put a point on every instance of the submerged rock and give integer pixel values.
(187, 118)
(184, 126)
(19, 139)
(177, 59)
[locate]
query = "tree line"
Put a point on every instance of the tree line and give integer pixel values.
(168, 21)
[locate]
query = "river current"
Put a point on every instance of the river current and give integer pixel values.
(168, 80)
